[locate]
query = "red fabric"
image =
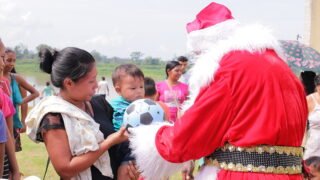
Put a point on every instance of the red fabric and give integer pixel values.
(254, 99)
(211, 15)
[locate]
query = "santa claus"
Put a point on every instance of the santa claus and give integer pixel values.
(246, 109)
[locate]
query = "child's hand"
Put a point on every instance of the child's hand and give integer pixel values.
(119, 136)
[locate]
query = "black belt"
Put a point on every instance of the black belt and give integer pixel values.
(266, 159)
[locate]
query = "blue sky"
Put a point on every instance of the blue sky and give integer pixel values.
(119, 27)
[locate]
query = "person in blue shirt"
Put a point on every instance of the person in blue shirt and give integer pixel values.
(48, 90)
(128, 81)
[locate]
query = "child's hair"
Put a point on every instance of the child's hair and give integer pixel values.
(149, 87)
(47, 83)
(125, 70)
(313, 161)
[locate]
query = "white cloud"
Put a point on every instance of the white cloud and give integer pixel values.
(26, 16)
(114, 39)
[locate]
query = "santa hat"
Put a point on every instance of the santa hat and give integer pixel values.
(212, 23)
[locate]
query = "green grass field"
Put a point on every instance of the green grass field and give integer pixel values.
(33, 158)
(30, 68)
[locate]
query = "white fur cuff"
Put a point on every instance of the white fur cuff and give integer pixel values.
(149, 161)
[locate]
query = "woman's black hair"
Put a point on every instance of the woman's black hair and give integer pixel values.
(308, 78)
(70, 62)
(170, 65)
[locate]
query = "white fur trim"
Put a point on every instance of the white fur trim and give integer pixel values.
(204, 39)
(149, 161)
(227, 36)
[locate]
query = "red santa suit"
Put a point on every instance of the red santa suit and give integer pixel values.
(242, 93)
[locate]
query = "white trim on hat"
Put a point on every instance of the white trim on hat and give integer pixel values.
(203, 39)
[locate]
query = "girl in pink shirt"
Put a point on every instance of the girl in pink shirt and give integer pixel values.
(172, 92)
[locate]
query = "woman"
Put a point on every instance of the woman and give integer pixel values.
(66, 122)
(17, 81)
(172, 92)
(313, 140)
(9, 170)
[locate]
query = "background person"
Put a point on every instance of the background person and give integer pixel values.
(103, 87)
(47, 90)
(312, 147)
(184, 66)
(171, 91)
(11, 168)
(16, 81)
(150, 92)
(307, 78)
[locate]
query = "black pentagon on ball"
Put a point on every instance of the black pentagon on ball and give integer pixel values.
(130, 109)
(146, 118)
(149, 102)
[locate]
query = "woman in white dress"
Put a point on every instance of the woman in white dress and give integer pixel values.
(313, 141)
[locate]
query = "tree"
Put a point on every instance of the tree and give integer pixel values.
(136, 55)
(152, 61)
(20, 50)
(96, 55)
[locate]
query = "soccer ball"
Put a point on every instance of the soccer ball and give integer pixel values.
(143, 112)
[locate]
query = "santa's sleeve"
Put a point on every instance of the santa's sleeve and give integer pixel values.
(198, 133)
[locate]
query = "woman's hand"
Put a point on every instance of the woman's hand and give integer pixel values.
(133, 172)
(118, 136)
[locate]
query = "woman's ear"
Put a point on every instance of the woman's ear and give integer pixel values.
(67, 83)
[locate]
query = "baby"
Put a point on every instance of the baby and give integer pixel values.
(128, 81)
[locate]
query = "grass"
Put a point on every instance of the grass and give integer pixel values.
(30, 68)
(32, 160)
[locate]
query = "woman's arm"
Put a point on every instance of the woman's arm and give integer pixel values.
(310, 103)
(24, 109)
(24, 84)
(66, 165)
